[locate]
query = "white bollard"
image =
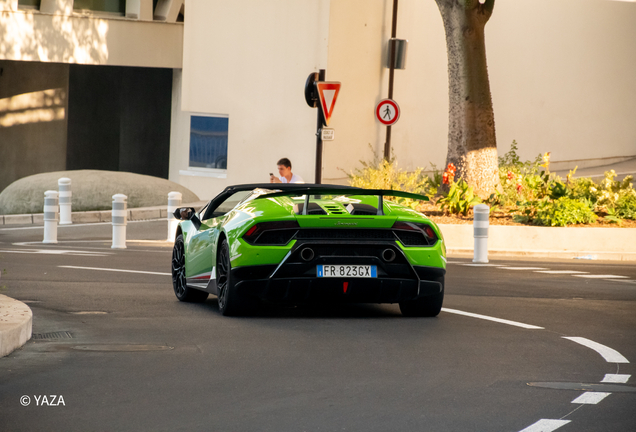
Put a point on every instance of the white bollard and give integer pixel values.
(480, 226)
(174, 202)
(50, 216)
(119, 221)
(64, 186)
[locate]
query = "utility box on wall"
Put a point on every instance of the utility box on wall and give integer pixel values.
(400, 53)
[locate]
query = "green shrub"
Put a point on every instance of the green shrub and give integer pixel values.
(382, 174)
(563, 212)
(626, 206)
(460, 198)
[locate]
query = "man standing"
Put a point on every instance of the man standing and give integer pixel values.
(285, 173)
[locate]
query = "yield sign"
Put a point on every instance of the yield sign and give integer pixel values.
(327, 93)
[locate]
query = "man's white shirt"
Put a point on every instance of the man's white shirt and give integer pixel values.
(295, 179)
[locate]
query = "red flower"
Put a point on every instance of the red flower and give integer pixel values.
(510, 175)
(518, 187)
(445, 178)
(451, 169)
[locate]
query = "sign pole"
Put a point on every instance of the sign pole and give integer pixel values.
(321, 77)
(387, 143)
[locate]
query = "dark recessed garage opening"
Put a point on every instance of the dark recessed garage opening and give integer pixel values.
(119, 119)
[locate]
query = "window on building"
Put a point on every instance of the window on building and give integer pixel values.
(29, 4)
(112, 6)
(208, 142)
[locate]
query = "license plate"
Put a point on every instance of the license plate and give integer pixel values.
(347, 271)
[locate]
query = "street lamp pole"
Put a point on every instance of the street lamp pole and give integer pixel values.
(387, 143)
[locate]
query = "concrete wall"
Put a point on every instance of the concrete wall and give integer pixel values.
(33, 118)
(89, 39)
(249, 60)
(358, 35)
(561, 74)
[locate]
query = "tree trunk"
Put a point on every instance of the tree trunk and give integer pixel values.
(472, 146)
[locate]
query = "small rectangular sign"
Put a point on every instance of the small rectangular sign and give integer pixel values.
(327, 134)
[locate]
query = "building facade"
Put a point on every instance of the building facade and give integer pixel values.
(218, 98)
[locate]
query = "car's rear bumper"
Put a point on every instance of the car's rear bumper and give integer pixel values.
(269, 285)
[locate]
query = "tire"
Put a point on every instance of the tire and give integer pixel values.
(428, 306)
(179, 285)
(231, 301)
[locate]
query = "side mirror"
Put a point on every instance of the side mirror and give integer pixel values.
(184, 213)
(188, 213)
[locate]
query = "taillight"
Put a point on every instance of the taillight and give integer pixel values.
(277, 233)
(414, 234)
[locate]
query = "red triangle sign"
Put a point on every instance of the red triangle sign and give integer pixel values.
(327, 93)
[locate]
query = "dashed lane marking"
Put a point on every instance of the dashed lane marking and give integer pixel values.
(629, 281)
(489, 318)
(481, 265)
(591, 398)
(596, 276)
(116, 270)
(80, 225)
(546, 425)
(616, 378)
(610, 355)
(570, 272)
(522, 268)
(55, 252)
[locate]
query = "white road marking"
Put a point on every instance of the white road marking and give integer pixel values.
(616, 378)
(80, 225)
(629, 281)
(591, 398)
(522, 268)
(610, 355)
(560, 272)
(55, 252)
(482, 265)
(116, 270)
(546, 425)
(591, 276)
(488, 318)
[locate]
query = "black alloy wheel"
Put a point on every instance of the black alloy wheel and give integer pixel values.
(231, 301)
(179, 284)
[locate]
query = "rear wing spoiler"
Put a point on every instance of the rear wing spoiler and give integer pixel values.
(335, 190)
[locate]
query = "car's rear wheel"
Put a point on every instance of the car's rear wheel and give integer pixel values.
(428, 306)
(179, 284)
(231, 301)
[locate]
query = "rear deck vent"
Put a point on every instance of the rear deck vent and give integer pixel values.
(52, 335)
(332, 209)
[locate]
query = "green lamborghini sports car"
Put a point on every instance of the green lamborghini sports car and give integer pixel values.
(307, 243)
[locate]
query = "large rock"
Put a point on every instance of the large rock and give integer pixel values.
(92, 190)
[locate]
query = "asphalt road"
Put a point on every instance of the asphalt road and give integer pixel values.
(122, 353)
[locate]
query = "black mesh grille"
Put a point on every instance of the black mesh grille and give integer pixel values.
(275, 237)
(345, 234)
(412, 238)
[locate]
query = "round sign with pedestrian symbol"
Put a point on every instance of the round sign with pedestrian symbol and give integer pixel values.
(387, 112)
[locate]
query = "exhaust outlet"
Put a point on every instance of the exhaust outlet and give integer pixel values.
(388, 255)
(307, 254)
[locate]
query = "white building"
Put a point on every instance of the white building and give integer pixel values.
(218, 98)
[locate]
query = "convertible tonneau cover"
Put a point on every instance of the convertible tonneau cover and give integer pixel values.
(316, 189)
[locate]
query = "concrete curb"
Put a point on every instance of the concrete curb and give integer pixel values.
(617, 244)
(16, 320)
